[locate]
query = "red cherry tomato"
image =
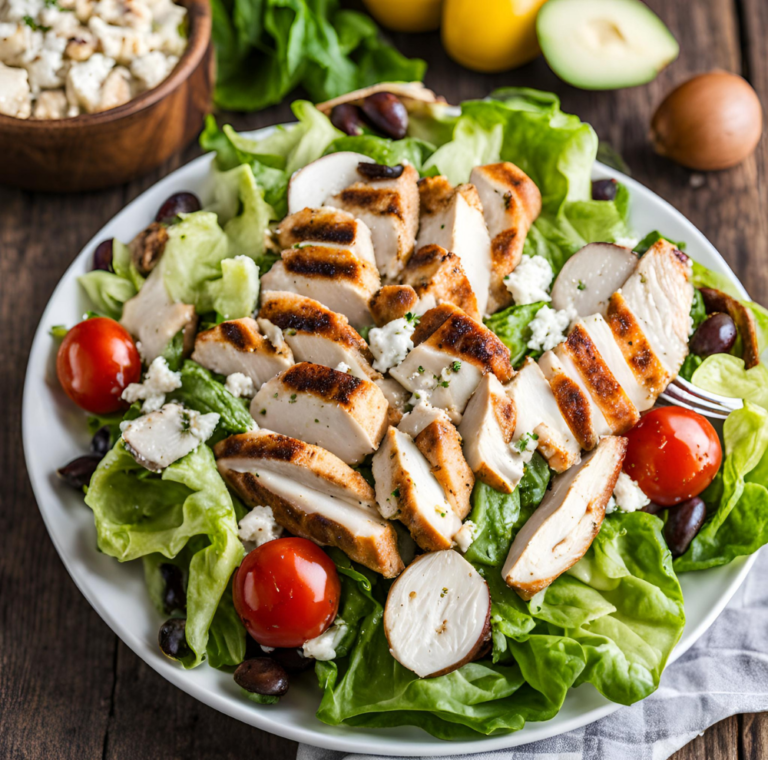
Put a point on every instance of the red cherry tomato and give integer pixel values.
(673, 454)
(286, 592)
(97, 360)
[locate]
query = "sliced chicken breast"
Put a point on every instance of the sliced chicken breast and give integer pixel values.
(438, 615)
(313, 184)
(566, 522)
(511, 202)
(574, 400)
(406, 490)
(392, 302)
(239, 346)
(453, 219)
(316, 334)
(660, 294)
(600, 334)
(537, 414)
(397, 398)
(487, 429)
(328, 227)
(440, 443)
(334, 277)
(319, 405)
(153, 319)
(437, 274)
(280, 472)
(619, 412)
(390, 209)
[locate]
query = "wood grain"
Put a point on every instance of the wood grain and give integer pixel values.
(68, 687)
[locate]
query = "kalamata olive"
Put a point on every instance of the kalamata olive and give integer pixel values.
(102, 256)
(174, 594)
(79, 471)
(387, 113)
(101, 442)
(348, 119)
(683, 523)
(172, 638)
(262, 675)
(653, 508)
(379, 171)
(715, 335)
(604, 189)
(292, 660)
(178, 203)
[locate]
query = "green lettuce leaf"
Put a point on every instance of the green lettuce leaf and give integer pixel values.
(726, 375)
(385, 151)
(107, 291)
(512, 326)
(138, 514)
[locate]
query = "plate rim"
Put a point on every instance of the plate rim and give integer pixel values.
(353, 739)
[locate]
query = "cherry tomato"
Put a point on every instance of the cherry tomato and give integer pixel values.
(97, 360)
(673, 454)
(286, 592)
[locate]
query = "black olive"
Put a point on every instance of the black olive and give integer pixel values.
(262, 675)
(178, 203)
(174, 594)
(715, 335)
(387, 113)
(102, 256)
(684, 522)
(292, 660)
(172, 638)
(79, 471)
(604, 189)
(348, 119)
(101, 442)
(379, 171)
(653, 508)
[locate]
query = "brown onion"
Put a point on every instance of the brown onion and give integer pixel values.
(713, 121)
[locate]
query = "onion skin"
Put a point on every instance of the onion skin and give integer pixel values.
(713, 121)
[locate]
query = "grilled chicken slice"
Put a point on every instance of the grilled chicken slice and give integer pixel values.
(317, 404)
(511, 202)
(334, 277)
(537, 414)
(440, 443)
(328, 227)
(452, 353)
(153, 319)
(659, 293)
(564, 525)
(239, 346)
(392, 302)
(406, 490)
(438, 614)
(312, 494)
(437, 274)
(487, 429)
(313, 184)
(397, 398)
(316, 334)
(453, 219)
(601, 336)
(619, 412)
(390, 209)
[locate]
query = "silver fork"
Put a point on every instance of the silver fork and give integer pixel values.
(682, 393)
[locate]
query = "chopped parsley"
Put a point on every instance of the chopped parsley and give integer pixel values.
(507, 200)
(421, 370)
(456, 366)
(412, 319)
(263, 411)
(292, 400)
(444, 383)
(396, 493)
(522, 444)
(581, 286)
(34, 26)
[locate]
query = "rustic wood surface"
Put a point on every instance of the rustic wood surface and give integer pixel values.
(68, 687)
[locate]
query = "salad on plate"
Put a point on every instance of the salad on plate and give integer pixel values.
(389, 406)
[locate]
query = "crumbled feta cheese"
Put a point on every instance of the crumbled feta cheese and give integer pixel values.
(118, 42)
(271, 331)
(240, 385)
(268, 650)
(323, 647)
(610, 507)
(51, 104)
(466, 536)
(258, 527)
(343, 367)
(390, 344)
(158, 381)
(628, 495)
(14, 92)
(152, 68)
(84, 81)
(627, 242)
(530, 281)
(548, 327)
(45, 69)
(162, 437)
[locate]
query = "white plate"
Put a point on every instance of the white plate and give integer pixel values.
(54, 432)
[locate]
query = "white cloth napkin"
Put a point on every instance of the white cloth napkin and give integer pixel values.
(724, 673)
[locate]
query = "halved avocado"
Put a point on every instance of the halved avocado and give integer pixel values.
(604, 44)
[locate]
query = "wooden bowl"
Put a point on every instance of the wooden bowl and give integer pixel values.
(93, 151)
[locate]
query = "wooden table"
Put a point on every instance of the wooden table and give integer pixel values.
(68, 687)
